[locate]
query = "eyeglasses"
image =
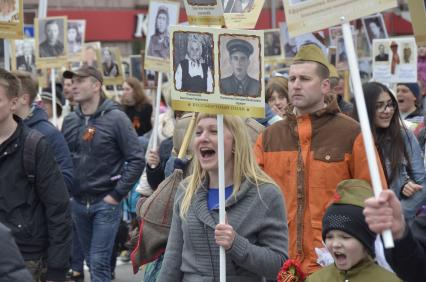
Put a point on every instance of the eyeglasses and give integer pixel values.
(382, 106)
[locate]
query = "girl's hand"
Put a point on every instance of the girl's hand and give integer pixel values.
(224, 235)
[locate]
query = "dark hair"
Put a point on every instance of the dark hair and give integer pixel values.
(139, 95)
(75, 26)
(382, 136)
(160, 11)
(29, 85)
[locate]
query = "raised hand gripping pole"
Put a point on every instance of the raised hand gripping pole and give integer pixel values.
(363, 119)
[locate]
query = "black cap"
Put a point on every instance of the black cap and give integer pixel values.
(84, 71)
(236, 45)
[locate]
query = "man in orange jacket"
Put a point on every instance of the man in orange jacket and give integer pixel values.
(310, 152)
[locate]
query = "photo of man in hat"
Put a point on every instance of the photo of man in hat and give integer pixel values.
(239, 82)
(159, 42)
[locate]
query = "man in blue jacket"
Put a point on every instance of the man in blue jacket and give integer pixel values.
(35, 117)
(108, 161)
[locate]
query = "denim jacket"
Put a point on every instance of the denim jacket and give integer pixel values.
(416, 173)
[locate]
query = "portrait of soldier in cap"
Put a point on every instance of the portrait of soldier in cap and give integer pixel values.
(194, 70)
(159, 42)
(240, 58)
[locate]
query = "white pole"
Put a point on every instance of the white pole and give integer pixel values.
(42, 9)
(221, 157)
(53, 86)
(6, 54)
(154, 133)
(363, 119)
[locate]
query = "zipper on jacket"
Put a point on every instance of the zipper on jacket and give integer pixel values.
(300, 183)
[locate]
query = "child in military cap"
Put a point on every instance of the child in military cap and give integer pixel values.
(348, 238)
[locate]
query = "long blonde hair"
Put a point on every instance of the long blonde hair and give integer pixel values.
(245, 166)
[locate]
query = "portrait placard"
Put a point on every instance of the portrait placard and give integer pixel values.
(12, 19)
(75, 37)
(162, 14)
(374, 27)
(417, 10)
(395, 60)
(149, 77)
(305, 16)
(274, 51)
(23, 55)
(136, 66)
(112, 70)
(204, 12)
(51, 43)
(289, 44)
(92, 55)
(241, 13)
(217, 70)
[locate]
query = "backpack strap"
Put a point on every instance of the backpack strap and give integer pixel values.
(29, 155)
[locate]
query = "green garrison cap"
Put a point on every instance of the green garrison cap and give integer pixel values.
(333, 71)
(235, 45)
(311, 53)
(353, 192)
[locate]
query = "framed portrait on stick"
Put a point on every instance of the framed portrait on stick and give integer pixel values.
(112, 70)
(23, 55)
(274, 52)
(51, 43)
(92, 55)
(241, 13)
(136, 66)
(75, 37)
(374, 27)
(204, 12)
(162, 14)
(11, 19)
(217, 70)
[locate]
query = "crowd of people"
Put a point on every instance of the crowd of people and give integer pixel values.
(298, 189)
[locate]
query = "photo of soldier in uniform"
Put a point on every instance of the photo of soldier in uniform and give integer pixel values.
(239, 66)
(237, 6)
(51, 37)
(25, 55)
(382, 55)
(193, 62)
(272, 43)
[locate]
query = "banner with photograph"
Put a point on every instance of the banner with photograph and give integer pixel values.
(11, 19)
(204, 12)
(162, 14)
(305, 16)
(112, 70)
(218, 71)
(395, 60)
(23, 55)
(242, 13)
(75, 37)
(274, 51)
(51, 43)
(418, 19)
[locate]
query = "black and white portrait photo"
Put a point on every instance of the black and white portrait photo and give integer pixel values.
(51, 37)
(290, 46)
(272, 43)
(202, 2)
(237, 6)
(382, 52)
(110, 64)
(91, 54)
(193, 61)
(375, 27)
(161, 16)
(135, 66)
(75, 36)
(9, 11)
(25, 55)
(239, 65)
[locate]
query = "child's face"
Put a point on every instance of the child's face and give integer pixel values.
(346, 250)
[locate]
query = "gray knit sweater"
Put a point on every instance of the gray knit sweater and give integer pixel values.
(258, 217)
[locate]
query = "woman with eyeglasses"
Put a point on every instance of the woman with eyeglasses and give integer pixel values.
(397, 146)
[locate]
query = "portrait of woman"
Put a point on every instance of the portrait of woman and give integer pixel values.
(75, 36)
(109, 65)
(159, 42)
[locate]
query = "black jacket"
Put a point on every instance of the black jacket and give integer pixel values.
(156, 175)
(107, 161)
(39, 217)
(408, 257)
(38, 120)
(12, 266)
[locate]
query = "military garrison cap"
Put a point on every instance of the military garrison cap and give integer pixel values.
(235, 45)
(333, 71)
(311, 53)
(353, 192)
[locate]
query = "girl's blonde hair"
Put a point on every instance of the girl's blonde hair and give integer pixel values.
(245, 166)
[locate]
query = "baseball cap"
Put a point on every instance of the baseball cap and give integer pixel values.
(84, 71)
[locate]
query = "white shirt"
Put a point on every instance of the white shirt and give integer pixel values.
(194, 69)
